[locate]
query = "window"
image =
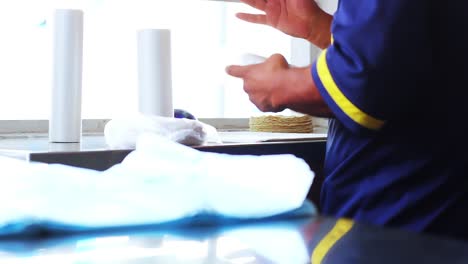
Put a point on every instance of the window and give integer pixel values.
(206, 37)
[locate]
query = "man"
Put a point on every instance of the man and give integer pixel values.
(393, 78)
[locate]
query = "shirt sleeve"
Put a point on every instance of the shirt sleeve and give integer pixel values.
(375, 67)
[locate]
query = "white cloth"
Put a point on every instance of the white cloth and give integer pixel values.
(124, 132)
(158, 182)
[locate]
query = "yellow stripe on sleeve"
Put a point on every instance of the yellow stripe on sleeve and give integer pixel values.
(351, 110)
(341, 228)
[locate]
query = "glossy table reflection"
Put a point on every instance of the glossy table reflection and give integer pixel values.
(298, 240)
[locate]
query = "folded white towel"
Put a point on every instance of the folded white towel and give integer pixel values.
(232, 185)
(124, 132)
(160, 181)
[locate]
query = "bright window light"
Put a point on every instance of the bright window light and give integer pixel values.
(206, 37)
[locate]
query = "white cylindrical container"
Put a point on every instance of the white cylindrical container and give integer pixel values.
(155, 72)
(65, 117)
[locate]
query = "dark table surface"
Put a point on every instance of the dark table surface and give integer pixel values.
(93, 152)
(295, 240)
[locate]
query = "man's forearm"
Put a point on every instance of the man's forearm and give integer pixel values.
(321, 34)
(301, 93)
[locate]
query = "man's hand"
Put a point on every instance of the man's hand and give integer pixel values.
(298, 18)
(261, 82)
(274, 85)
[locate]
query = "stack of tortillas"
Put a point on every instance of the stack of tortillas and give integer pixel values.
(281, 124)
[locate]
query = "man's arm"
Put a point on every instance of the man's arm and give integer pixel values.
(275, 85)
(301, 94)
(321, 35)
(375, 71)
(297, 18)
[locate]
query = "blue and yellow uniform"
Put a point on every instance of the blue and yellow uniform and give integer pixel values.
(396, 79)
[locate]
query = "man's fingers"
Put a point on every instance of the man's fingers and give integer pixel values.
(253, 18)
(237, 71)
(258, 4)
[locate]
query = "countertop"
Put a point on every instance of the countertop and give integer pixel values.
(93, 152)
(39, 143)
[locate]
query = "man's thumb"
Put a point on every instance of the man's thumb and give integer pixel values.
(236, 71)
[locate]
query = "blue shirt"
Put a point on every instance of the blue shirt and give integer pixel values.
(396, 79)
